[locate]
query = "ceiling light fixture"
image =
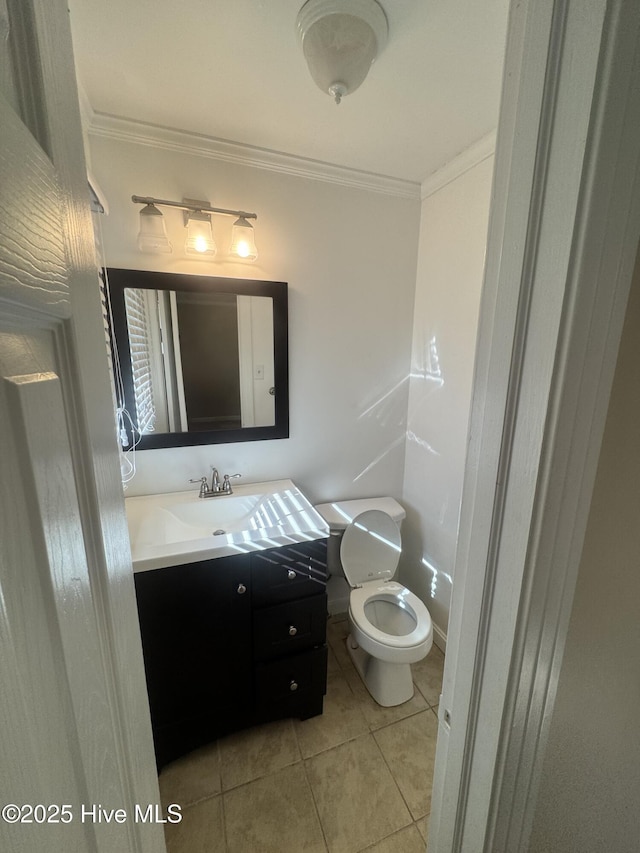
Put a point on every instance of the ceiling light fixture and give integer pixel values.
(197, 221)
(340, 40)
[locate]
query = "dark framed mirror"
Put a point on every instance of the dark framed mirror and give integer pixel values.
(199, 359)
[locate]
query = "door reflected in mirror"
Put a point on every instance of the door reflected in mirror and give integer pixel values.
(203, 360)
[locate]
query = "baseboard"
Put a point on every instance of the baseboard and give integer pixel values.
(440, 638)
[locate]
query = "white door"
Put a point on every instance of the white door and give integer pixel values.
(74, 727)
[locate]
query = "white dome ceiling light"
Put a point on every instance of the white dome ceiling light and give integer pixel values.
(340, 40)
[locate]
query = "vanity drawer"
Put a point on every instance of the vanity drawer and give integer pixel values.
(288, 679)
(285, 574)
(287, 628)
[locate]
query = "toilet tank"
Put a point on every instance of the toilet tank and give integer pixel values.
(339, 514)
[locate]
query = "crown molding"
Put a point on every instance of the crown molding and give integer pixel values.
(168, 139)
(470, 157)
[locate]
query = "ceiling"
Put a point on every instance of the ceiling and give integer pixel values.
(233, 70)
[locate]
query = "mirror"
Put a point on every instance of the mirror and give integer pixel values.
(199, 360)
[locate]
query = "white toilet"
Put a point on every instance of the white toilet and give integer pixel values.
(390, 627)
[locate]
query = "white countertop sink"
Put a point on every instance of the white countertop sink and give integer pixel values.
(179, 527)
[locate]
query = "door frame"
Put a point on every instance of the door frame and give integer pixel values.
(110, 596)
(563, 238)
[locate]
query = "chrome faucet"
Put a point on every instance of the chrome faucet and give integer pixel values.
(216, 488)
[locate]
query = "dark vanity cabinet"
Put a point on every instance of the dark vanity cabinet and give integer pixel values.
(232, 642)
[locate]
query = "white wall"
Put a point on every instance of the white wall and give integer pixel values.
(453, 235)
(590, 788)
(349, 256)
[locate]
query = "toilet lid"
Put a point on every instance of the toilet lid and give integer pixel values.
(370, 548)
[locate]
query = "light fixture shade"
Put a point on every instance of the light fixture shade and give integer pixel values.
(153, 235)
(340, 40)
(199, 234)
(243, 244)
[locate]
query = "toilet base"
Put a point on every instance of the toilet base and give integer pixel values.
(388, 683)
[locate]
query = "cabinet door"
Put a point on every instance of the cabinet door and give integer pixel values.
(195, 621)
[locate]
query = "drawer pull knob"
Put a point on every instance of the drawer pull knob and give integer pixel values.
(291, 575)
(292, 630)
(293, 686)
(241, 589)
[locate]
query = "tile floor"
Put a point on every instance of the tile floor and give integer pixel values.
(358, 778)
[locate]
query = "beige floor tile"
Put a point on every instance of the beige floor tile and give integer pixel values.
(191, 778)
(357, 799)
(427, 675)
(409, 748)
(375, 715)
(275, 814)
(332, 662)
(200, 831)
(256, 752)
(408, 840)
(341, 720)
(423, 826)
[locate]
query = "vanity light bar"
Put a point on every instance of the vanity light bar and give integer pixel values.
(197, 220)
(184, 205)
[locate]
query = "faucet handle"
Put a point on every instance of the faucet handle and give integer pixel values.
(204, 488)
(226, 484)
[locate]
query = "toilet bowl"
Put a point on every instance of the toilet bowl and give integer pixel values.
(390, 627)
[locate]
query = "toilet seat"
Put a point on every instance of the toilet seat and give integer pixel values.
(370, 552)
(399, 596)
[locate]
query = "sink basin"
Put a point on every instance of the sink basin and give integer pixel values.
(230, 511)
(179, 527)
(187, 520)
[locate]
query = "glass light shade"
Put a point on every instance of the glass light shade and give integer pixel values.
(340, 40)
(242, 240)
(199, 235)
(152, 236)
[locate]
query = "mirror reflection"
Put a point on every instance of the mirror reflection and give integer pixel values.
(202, 359)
